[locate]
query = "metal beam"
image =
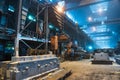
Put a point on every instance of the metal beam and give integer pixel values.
(4, 36)
(32, 21)
(72, 1)
(111, 21)
(84, 3)
(25, 44)
(101, 34)
(39, 46)
(31, 39)
(18, 29)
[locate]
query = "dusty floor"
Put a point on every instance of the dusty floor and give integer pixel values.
(84, 70)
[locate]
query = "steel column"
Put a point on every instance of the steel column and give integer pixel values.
(46, 29)
(18, 29)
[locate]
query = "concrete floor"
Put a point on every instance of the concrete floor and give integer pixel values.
(84, 70)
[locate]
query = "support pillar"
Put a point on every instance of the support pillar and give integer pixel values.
(46, 29)
(18, 29)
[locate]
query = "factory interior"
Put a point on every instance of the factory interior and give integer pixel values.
(59, 39)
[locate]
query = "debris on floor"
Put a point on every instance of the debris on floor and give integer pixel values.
(84, 70)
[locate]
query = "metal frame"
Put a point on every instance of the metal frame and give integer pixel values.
(21, 38)
(18, 29)
(86, 3)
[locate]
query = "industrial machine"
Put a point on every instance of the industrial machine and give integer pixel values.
(22, 23)
(101, 58)
(73, 52)
(117, 59)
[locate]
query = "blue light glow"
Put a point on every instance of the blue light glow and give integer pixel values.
(11, 8)
(57, 29)
(93, 29)
(102, 38)
(61, 3)
(71, 17)
(76, 42)
(12, 48)
(90, 47)
(51, 26)
(114, 33)
(90, 19)
(104, 44)
(51, 0)
(99, 8)
(85, 31)
(103, 18)
(102, 22)
(32, 18)
(102, 28)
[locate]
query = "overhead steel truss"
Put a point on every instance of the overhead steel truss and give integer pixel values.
(83, 3)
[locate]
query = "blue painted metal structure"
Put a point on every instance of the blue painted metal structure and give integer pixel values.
(28, 67)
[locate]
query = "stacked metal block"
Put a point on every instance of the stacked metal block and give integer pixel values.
(25, 68)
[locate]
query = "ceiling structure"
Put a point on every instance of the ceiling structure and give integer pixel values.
(100, 19)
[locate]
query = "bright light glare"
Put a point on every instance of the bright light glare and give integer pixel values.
(103, 44)
(61, 3)
(90, 19)
(101, 38)
(102, 22)
(90, 47)
(12, 48)
(113, 32)
(32, 18)
(70, 16)
(11, 8)
(93, 28)
(60, 9)
(100, 10)
(60, 6)
(51, 0)
(102, 28)
(51, 27)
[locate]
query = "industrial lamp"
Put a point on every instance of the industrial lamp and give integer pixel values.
(60, 6)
